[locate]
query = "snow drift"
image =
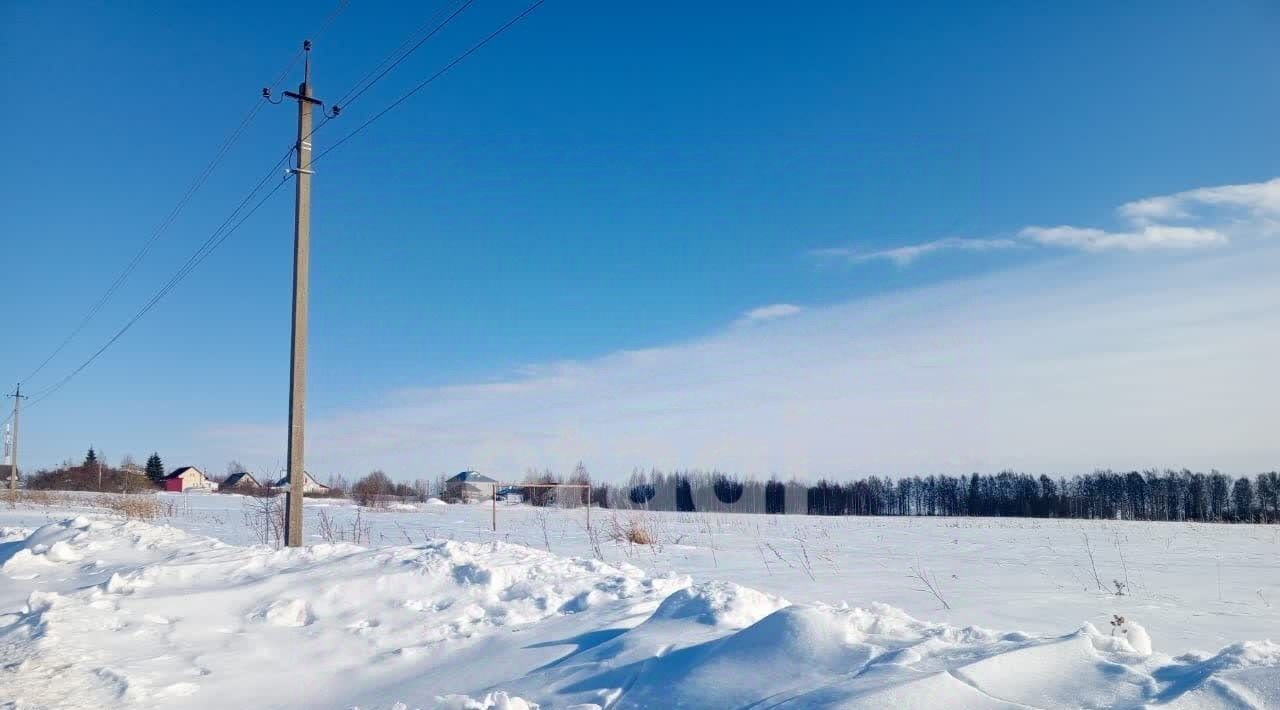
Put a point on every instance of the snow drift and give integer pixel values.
(104, 613)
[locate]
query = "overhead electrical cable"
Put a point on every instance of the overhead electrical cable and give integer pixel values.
(213, 242)
(235, 219)
(173, 214)
(426, 82)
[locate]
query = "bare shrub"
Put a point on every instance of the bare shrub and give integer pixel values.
(169, 508)
(930, 582)
(541, 495)
(633, 531)
(593, 535)
(540, 515)
(264, 517)
(372, 490)
(359, 532)
(325, 524)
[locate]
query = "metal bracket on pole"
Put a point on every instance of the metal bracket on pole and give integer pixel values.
(300, 97)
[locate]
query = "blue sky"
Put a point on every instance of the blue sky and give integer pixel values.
(605, 179)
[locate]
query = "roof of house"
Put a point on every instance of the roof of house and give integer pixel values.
(177, 473)
(235, 478)
(309, 479)
(471, 477)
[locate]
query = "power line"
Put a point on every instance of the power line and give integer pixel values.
(155, 236)
(324, 27)
(212, 243)
(198, 256)
(220, 234)
(456, 61)
(173, 214)
(355, 91)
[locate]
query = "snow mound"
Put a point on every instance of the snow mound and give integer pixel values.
(124, 614)
(160, 613)
(492, 701)
(45, 546)
(816, 656)
(720, 604)
(435, 501)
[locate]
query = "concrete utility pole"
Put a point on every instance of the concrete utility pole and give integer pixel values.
(18, 396)
(301, 268)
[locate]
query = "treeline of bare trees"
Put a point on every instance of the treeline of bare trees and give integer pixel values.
(374, 489)
(539, 496)
(94, 473)
(88, 478)
(1136, 495)
(378, 488)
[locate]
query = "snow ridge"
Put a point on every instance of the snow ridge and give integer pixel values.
(127, 614)
(142, 612)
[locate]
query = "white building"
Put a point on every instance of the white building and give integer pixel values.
(244, 479)
(188, 478)
(469, 486)
(309, 485)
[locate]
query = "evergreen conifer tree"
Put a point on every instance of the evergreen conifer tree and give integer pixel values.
(155, 467)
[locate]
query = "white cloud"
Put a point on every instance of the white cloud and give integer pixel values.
(1251, 209)
(1259, 198)
(1056, 368)
(770, 312)
(906, 255)
(1148, 236)
(1151, 208)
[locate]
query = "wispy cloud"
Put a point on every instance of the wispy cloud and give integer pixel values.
(1043, 369)
(1148, 236)
(1090, 363)
(1258, 198)
(905, 255)
(1193, 219)
(770, 312)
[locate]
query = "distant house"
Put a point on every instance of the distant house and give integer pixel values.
(511, 494)
(188, 478)
(469, 486)
(244, 479)
(309, 485)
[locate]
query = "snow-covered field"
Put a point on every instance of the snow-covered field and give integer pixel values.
(433, 609)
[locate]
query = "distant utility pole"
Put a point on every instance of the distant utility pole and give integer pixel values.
(17, 396)
(301, 267)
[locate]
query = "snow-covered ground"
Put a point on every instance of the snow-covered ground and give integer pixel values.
(434, 609)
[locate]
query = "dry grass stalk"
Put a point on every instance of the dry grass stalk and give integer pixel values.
(633, 531)
(132, 507)
(41, 498)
